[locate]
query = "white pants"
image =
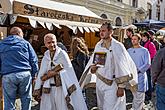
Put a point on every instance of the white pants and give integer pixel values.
(107, 98)
(138, 100)
(55, 100)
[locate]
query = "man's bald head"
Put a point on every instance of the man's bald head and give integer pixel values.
(16, 31)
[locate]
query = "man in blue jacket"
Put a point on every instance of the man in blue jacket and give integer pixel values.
(18, 67)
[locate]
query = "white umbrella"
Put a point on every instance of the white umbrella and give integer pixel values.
(161, 31)
(130, 26)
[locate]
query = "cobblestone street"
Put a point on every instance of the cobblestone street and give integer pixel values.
(149, 106)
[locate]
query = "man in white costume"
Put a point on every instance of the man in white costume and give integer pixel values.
(113, 76)
(62, 91)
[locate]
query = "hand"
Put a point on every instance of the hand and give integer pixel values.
(94, 68)
(33, 80)
(120, 92)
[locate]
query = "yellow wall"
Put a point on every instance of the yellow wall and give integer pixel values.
(91, 39)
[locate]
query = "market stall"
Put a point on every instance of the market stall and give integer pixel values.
(38, 17)
(57, 18)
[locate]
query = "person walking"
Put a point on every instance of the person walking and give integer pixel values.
(56, 85)
(113, 70)
(80, 56)
(158, 78)
(18, 67)
(141, 57)
(127, 42)
(152, 50)
(152, 39)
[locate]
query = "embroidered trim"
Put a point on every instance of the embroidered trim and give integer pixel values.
(71, 89)
(57, 80)
(90, 85)
(46, 90)
(105, 80)
(37, 94)
(69, 106)
(124, 79)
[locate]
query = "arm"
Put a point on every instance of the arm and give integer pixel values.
(33, 61)
(152, 50)
(122, 60)
(147, 62)
(156, 66)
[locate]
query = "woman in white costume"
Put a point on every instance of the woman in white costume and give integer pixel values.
(62, 91)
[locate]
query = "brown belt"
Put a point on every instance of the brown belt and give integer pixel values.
(105, 80)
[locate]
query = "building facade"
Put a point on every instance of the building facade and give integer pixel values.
(158, 10)
(115, 10)
(142, 9)
(123, 12)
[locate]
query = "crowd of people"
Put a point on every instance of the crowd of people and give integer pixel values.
(138, 66)
(148, 72)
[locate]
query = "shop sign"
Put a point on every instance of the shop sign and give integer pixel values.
(31, 10)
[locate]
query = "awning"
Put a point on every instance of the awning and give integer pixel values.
(49, 13)
(48, 23)
(49, 6)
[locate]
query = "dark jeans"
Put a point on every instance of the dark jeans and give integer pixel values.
(150, 86)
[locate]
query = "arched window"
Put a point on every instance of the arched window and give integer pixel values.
(119, 0)
(149, 8)
(135, 3)
(118, 21)
(104, 16)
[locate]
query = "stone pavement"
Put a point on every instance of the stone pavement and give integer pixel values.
(91, 97)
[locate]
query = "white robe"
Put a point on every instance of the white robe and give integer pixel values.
(118, 63)
(55, 100)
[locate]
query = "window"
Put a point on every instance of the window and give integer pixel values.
(149, 8)
(119, 0)
(0, 6)
(135, 3)
(158, 11)
(118, 21)
(104, 16)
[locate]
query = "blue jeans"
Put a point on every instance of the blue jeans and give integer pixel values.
(17, 84)
(160, 97)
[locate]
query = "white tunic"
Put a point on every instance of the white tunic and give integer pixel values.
(118, 63)
(55, 100)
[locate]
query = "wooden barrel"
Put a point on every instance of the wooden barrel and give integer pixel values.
(1, 96)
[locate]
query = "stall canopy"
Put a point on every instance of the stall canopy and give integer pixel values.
(49, 13)
(161, 31)
(151, 24)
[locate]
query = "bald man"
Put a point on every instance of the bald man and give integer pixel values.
(62, 91)
(18, 66)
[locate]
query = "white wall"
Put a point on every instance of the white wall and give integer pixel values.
(162, 9)
(154, 10)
